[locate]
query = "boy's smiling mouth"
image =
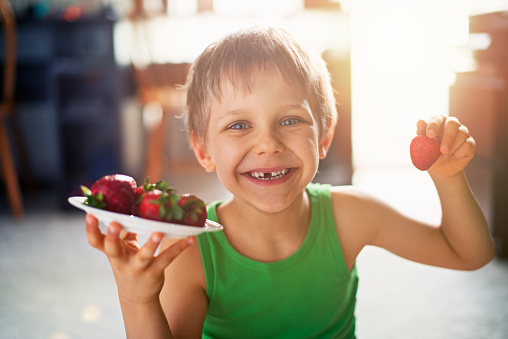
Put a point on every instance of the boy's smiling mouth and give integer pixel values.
(270, 175)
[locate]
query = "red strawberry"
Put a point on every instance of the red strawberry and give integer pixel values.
(115, 193)
(160, 206)
(140, 191)
(424, 151)
(148, 187)
(194, 211)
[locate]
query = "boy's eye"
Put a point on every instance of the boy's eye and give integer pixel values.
(238, 125)
(289, 121)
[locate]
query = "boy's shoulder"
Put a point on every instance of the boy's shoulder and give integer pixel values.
(343, 194)
(349, 192)
(353, 219)
(353, 201)
(346, 199)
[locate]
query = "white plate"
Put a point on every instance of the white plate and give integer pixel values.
(134, 224)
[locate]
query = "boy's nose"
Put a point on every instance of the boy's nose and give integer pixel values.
(268, 142)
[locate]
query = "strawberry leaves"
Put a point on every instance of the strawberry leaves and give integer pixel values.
(194, 210)
(92, 200)
(161, 206)
(170, 206)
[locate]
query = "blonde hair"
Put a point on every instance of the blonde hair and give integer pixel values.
(237, 56)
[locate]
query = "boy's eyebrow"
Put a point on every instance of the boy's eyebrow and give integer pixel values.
(235, 111)
(304, 105)
(230, 113)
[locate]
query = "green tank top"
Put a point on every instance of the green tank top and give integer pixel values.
(311, 294)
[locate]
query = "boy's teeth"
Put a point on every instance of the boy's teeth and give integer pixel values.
(269, 175)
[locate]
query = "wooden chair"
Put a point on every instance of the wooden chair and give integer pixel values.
(158, 84)
(157, 90)
(8, 22)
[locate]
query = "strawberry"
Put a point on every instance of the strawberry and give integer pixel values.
(424, 151)
(194, 211)
(161, 206)
(138, 194)
(115, 193)
(148, 187)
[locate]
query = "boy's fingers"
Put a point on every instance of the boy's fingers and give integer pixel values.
(167, 256)
(466, 149)
(460, 138)
(421, 126)
(146, 253)
(93, 233)
(128, 236)
(131, 241)
(434, 126)
(112, 246)
(448, 139)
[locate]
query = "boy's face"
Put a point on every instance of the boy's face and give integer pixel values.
(263, 144)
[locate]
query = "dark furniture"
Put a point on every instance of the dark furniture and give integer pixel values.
(7, 107)
(68, 94)
(480, 100)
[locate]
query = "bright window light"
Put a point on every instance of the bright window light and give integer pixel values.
(402, 66)
(257, 7)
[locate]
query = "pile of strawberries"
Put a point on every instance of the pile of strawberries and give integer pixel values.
(156, 201)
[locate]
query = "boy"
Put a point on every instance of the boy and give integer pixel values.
(261, 114)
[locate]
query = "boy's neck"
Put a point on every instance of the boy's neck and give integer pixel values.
(266, 237)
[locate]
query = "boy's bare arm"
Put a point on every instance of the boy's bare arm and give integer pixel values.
(145, 320)
(183, 296)
(139, 275)
(462, 241)
(148, 319)
(463, 224)
(365, 220)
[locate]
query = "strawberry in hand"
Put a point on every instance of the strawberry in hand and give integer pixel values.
(424, 151)
(115, 193)
(452, 146)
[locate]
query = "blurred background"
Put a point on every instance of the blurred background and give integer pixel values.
(91, 88)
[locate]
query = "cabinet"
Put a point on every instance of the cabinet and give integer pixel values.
(68, 92)
(480, 100)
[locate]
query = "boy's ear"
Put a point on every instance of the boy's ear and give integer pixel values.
(325, 142)
(201, 153)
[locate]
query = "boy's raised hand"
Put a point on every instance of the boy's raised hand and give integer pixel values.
(139, 273)
(457, 145)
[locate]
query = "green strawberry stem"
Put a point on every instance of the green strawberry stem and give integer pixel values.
(161, 185)
(171, 210)
(93, 200)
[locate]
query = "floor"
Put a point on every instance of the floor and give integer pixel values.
(55, 286)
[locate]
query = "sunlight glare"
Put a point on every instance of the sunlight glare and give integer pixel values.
(58, 335)
(258, 7)
(90, 313)
(402, 56)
